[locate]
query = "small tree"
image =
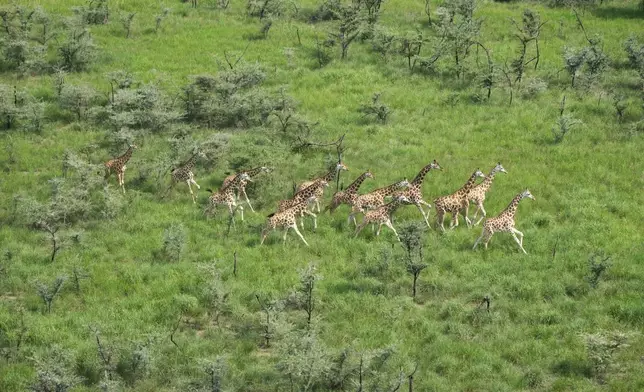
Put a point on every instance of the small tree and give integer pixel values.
(376, 108)
(160, 18)
(126, 21)
(598, 264)
(54, 371)
(273, 327)
(412, 242)
(174, 241)
(303, 296)
(349, 28)
(48, 294)
(303, 360)
(77, 52)
(528, 32)
(216, 370)
(78, 99)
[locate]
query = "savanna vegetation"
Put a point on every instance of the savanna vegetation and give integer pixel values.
(140, 289)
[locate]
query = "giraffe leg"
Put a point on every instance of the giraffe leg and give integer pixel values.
(359, 228)
(315, 219)
(317, 203)
(440, 218)
(379, 228)
(454, 223)
(264, 235)
(478, 240)
(191, 192)
(483, 214)
(286, 232)
(488, 236)
(389, 225)
(518, 242)
(247, 201)
(241, 212)
(515, 231)
(420, 208)
(192, 180)
(300, 234)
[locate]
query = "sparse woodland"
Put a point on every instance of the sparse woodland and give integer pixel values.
(145, 148)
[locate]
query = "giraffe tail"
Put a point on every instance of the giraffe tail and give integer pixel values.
(270, 215)
(210, 190)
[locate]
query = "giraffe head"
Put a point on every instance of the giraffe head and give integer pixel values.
(244, 177)
(434, 165)
(527, 194)
(402, 184)
(479, 173)
(132, 146)
(499, 168)
(265, 169)
(340, 166)
(369, 174)
(402, 199)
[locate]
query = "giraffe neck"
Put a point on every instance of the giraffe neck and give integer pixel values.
(512, 207)
(330, 176)
(420, 177)
(388, 190)
(487, 182)
(353, 188)
(308, 191)
(190, 163)
(126, 157)
(469, 184)
(254, 172)
(391, 206)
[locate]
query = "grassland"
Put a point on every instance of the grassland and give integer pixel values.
(588, 191)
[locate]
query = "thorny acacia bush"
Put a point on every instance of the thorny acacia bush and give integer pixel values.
(232, 98)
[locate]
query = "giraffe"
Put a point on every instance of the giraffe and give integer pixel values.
(226, 195)
(477, 193)
(374, 199)
(241, 188)
(118, 166)
(349, 195)
(287, 219)
(382, 215)
(504, 222)
(307, 194)
(455, 202)
(414, 192)
(183, 172)
(327, 177)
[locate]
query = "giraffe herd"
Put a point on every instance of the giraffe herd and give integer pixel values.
(372, 205)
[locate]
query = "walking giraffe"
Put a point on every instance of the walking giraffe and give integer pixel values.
(455, 202)
(226, 195)
(382, 215)
(117, 165)
(477, 193)
(415, 191)
(327, 177)
(504, 222)
(287, 219)
(307, 194)
(184, 172)
(374, 199)
(241, 187)
(349, 195)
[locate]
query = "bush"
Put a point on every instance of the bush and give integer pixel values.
(53, 371)
(533, 87)
(77, 100)
(174, 241)
(601, 348)
(77, 52)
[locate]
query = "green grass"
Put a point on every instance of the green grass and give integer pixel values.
(588, 193)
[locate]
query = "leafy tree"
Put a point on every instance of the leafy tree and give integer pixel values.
(48, 294)
(528, 32)
(10, 106)
(303, 360)
(174, 241)
(77, 52)
(54, 371)
(126, 21)
(376, 108)
(459, 28)
(302, 297)
(95, 12)
(77, 99)
(411, 239)
(598, 264)
(349, 28)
